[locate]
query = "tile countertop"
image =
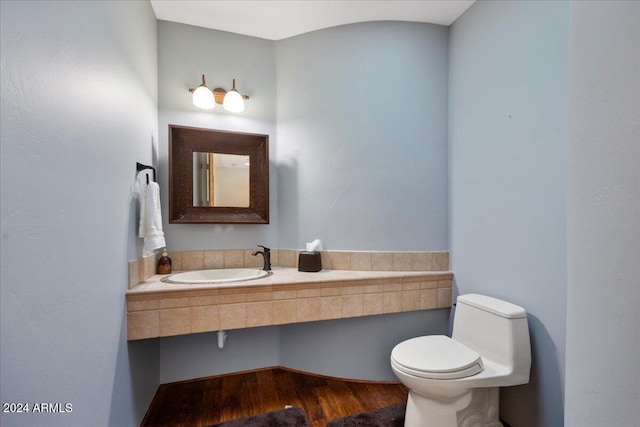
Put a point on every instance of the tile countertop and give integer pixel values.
(158, 309)
(283, 276)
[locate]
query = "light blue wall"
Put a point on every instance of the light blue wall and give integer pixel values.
(362, 137)
(508, 124)
(356, 348)
(603, 295)
(185, 53)
(79, 108)
(358, 147)
(197, 355)
(349, 348)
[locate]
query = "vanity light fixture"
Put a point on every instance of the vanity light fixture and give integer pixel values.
(205, 98)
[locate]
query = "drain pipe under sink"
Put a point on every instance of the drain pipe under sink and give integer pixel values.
(222, 338)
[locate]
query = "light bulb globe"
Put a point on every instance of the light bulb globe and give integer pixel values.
(203, 98)
(233, 102)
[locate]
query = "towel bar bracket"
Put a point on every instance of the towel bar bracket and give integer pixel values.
(141, 167)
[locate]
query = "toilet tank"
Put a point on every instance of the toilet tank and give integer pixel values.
(495, 329)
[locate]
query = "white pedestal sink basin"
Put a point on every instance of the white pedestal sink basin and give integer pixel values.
(220, 275)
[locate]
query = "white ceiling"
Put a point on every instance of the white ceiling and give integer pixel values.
(275, 20)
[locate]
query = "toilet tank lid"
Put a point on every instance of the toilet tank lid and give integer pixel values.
(493, 305)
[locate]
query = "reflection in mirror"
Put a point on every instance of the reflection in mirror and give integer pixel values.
(220, 180)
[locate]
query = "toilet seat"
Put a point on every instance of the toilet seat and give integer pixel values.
(436, 357)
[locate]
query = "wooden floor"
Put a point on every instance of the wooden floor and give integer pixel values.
(199, 403)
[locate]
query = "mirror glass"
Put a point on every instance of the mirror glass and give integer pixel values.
(218, 177)
(220, 180)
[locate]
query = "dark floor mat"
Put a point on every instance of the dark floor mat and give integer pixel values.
(289, 417)
(391, 416)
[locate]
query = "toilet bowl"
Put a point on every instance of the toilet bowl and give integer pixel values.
(455, 381)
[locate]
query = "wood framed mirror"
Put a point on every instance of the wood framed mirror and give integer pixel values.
(218, 177)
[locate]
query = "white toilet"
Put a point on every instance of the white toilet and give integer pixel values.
(455, 381)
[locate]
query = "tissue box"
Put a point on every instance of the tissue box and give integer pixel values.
(309, 262)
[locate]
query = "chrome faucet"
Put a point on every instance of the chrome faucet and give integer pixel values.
(266, 254)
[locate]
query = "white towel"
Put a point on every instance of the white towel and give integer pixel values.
(139, 190)
(150, 227)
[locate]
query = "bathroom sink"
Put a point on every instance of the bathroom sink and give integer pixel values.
(220, 275)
